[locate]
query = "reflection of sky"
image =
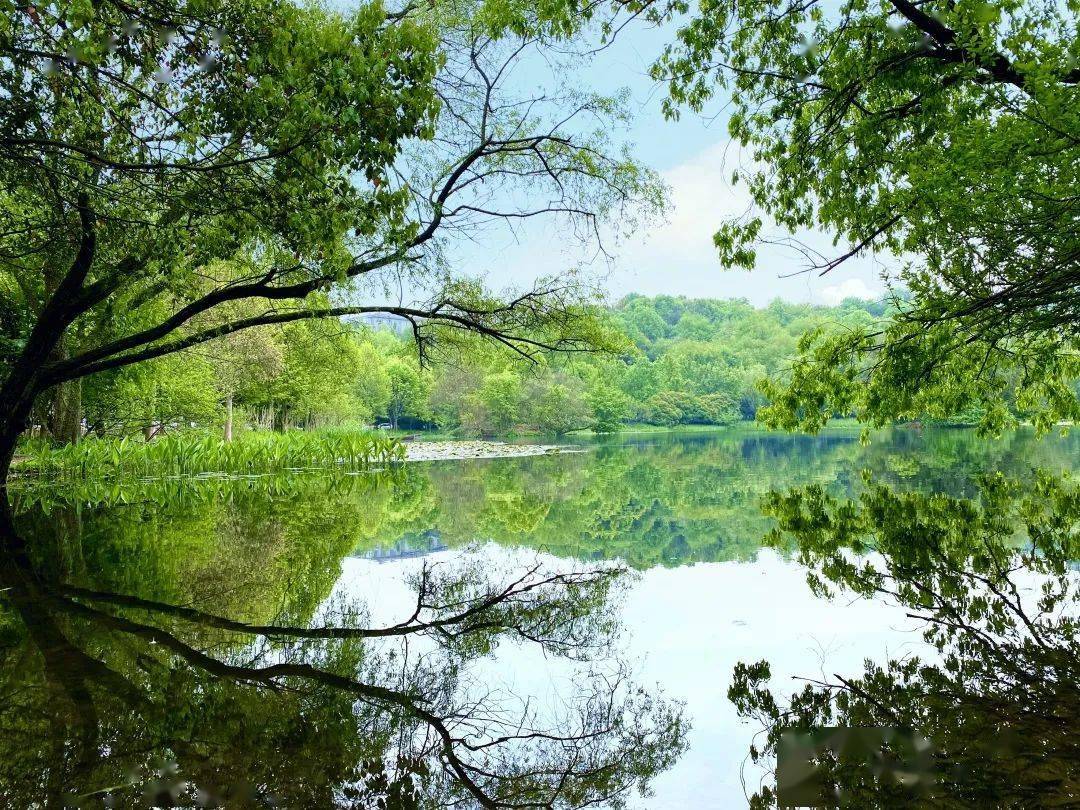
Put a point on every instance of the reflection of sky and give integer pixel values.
(687, 628)
(695, 623)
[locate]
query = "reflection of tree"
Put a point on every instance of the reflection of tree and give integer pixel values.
(259, 549)
(157, 625)
(992, 581)
(667, 500)
(113, 696)
(673, 500)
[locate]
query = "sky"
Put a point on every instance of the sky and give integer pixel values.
(695, 158)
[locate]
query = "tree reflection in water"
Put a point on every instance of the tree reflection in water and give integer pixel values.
(994, 582)
(116, 699)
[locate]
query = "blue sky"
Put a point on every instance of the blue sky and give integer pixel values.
(696, 159)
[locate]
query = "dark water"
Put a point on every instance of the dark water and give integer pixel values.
(458, 633)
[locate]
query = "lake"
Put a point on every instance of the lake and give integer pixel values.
(450, 633)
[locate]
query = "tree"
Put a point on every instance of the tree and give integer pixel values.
(450, 395)
(942, 132)
(664, 408)
(714, 409)
(142, 148)
(700, 368)
(496, 405)
(556, 406)
(372, 381)
(610, 407)
(408, 388)
(315, 385)
(643, 324)
(692, 326)
(241, 360)
(176, 389)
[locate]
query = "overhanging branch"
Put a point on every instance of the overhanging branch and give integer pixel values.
(472, 320)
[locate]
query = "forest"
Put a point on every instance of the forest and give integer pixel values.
(680, 362)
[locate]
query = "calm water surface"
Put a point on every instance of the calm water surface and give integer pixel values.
(136, 665)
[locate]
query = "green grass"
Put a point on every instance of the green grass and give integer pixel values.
(424, 434)
(192, 453)
(629, 430)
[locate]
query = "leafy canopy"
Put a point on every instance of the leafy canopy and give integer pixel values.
(942, 133)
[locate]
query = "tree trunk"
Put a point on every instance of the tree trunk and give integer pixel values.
(228, 417)
(65, 410)
(65, 423)
(23, 383)
(16, 402)
(8, 438)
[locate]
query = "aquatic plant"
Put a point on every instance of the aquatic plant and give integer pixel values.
(192, 454)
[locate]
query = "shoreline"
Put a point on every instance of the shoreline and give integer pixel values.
(466, 449)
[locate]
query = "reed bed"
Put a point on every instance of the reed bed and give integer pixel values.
(45, 496)
(193, 454)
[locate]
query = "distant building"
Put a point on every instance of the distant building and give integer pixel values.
(382, 320)
(411, 544)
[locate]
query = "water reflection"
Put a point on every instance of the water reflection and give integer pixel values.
(646, 500)
(993, 581)
(137, 697)
(191, 641)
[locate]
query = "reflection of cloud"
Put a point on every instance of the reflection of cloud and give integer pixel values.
(848, 288)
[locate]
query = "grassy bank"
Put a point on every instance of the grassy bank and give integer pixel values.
(643, 428)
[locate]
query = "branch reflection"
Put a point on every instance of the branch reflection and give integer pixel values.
(994, 584)
(111, 698)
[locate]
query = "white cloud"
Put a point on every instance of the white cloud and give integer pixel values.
(848, 288)
(676, 256)
(701, 197)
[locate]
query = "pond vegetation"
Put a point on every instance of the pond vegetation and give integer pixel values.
(193, 453)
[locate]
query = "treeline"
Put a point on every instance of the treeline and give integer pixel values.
(685, 362)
